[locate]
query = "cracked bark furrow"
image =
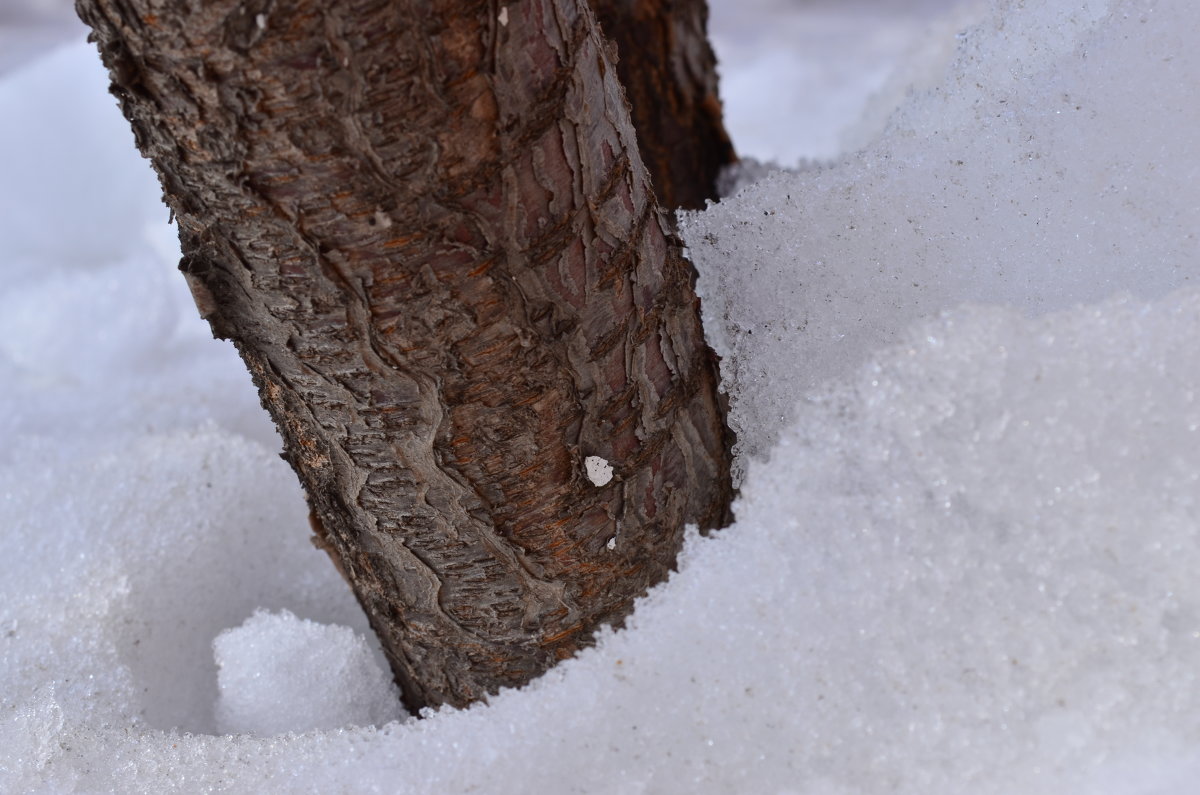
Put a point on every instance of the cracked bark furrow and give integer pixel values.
(429, 234)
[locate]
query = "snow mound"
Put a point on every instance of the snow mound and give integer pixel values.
(1057, 164)
(969, 566)
(278, 674)
(130, 561)
(795, 85)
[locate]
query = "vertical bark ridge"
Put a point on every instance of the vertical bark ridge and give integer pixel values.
(426, 227)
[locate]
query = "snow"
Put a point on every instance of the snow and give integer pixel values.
(278, 673)
(805, 79)
(962, 365)
(598, 470)
(1029, 177)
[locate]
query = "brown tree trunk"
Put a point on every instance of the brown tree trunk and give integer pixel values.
(669, 72)
(426, 227)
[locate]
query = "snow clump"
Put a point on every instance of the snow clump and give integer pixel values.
(278, 674)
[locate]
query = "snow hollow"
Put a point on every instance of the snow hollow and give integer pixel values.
(962, 363)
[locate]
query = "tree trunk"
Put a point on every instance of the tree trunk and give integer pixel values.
(669, 73)
(427, 229)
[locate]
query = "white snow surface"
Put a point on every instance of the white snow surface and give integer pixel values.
(279, 674)
(1056, 164)
(802, 80)
(963, 366)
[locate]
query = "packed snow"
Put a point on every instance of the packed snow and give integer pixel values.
(270, 659)
(1034, 176)
(962, 365)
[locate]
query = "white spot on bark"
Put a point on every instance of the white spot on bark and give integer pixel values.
(261, 21)
(503, 18)
(599, 471)
(383, 219)
(612, 543)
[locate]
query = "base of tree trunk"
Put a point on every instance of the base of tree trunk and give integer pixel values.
(427, 230)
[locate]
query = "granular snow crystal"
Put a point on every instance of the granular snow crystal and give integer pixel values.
(279, 673)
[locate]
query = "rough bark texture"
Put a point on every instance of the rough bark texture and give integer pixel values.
(669, 72)
(426, 228)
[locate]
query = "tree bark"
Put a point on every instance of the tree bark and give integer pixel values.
(427, 229)
(669, 73)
